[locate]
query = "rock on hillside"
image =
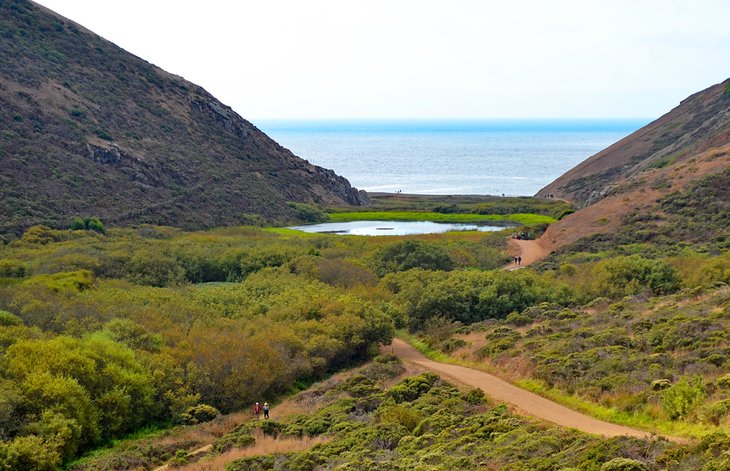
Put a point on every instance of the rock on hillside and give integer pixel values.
(627, 180)
(89, 129)
(700, 122)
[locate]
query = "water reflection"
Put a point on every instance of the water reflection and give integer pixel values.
(383, 228)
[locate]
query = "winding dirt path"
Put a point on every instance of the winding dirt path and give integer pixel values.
(526, 402)
(531, 251)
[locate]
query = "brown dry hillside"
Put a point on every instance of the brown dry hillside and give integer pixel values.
(630, 179)
(699, 123)
(89, 129)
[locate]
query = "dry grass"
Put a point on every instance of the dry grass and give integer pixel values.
(203, 434)
(264, 445)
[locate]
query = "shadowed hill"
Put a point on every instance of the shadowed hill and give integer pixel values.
(89, 129)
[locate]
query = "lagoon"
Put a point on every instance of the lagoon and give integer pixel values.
(394, 228)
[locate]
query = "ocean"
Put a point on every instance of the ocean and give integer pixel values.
(485, 157)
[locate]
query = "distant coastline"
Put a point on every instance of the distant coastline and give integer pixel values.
(514, 157)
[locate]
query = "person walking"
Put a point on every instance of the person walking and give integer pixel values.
(519, 260)
(257, 411)
(266, 410)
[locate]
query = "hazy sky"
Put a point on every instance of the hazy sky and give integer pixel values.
(427, 59)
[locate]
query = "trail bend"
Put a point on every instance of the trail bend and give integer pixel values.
(531, 251)
(525, 402)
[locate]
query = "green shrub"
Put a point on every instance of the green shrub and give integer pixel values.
(624, 464)
(270, 428)
(180, 459)
(518, 319)
(451, 345)
(253, 463)
(383, 367)
(621, 276)
(400, 415)
(40, 235)
(155, 269)
(29, 453)
(475, 397)
(12, 269)
(413, 387)
(723, 382)
(199, 414)
(358, 386)
(714, 413)
(8, 319)
(239, 437)
(402, 256)
(87, 224)
(307, 213)
(682, 398)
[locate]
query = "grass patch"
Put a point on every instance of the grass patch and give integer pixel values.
(285, 231)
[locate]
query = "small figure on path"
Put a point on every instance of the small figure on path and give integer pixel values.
(519, 260)
(515, 259)
(257, 411)
(266, 410)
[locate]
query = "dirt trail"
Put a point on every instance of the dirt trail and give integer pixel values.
(531, 251)
(526, 402)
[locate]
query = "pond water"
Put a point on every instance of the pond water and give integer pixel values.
(394, 228)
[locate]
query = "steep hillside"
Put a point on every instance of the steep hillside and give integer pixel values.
(89, 129)
(684, 154)
(699, 123)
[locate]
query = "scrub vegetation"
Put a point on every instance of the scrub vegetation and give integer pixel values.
(422, 423)
(108, 333)
(102, 335)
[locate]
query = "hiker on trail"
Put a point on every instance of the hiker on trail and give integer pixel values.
(266, 410)
(515, 260)
(519, 260)
(257, 410)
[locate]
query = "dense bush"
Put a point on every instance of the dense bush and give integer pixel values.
(199, 414)
(469, 296)
(88, 224)
(402, 256)
(624, 464)
(682, 398)
(621, 276)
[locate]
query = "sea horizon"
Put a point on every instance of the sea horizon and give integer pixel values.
(514, 157)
